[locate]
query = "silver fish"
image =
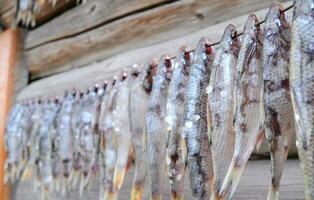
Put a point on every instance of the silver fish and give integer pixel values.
(249, 107)
(176, 147)
(302, 87)
(156, 127)
(195, 121)
(221, 104)
(138, 99)
(279, 118)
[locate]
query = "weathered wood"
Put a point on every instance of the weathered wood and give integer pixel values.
(253, 184)
(8, 52)
(50, 54)
(97, 72)
(8, 11)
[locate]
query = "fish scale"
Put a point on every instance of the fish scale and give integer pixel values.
(176, 149)
(302, 87)
(221, 103)
(249, 112)
(279, 119)
(195, 121)
(138, 99)
(156, 127)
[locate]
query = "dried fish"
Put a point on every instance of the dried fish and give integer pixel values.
(13, 141)
(195, 119)
(64, 134)
(43, 144)
(122, 132)
(302, 87)
(110, 144)
(138, 99)
(249, 107)
(88, 147)
(176, 147)
(279, 119)
(156, 127)
(221, 104)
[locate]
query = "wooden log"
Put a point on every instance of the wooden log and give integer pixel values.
(83, 77)
(8, 52)
(51, 53)
(8, 10)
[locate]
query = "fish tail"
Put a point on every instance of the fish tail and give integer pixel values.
(231, 181)
(273, 193)
(111, 195)
(118, 179)
(137, 192)
(176, 196)
(259, 140)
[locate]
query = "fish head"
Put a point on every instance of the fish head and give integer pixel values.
(165, 66)
(251, 27)
(204, 52)
(304, 7)
(148, 73)
(73, 92)
(185, 58)
(230, 41)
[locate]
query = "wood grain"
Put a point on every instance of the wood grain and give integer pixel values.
(79, 45)
(8, 10)
(253, 184)
(8, 52)
(83, 77)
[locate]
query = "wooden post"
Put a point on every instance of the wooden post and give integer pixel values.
(8, 52)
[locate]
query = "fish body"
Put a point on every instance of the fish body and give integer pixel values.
(249, 107)
(176, 149)
(88, 147)
(65, 134)
(122, 132)
(138, 99)
(156, 127)
(13, 141)
(44, 161)
(109, 142)
(301, 76)
(195, 121)
(221, 104)
(279, 118)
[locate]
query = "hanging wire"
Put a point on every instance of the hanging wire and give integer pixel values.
(237, 35)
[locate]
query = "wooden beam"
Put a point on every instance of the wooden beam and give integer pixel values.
(91, 36)
(8, 52)
(97, 72)
(8, 11)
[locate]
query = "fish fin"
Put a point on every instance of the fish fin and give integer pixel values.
(119, 175)
(273, 194)
(231, 181)
(184, 150)
(260, 139)
(137, 193)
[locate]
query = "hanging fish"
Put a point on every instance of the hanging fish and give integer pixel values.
(139, 95)
(249, 107)
(32, 147)
(122, 132)
(156, 126)
(13, 141)
(279, 119)
(302, 87)
(221, 104)
(195, 119)
(64, 134)
(88, 147)
(75, 124)
(102, 144)
(44, 145)
(25, 13)
(176, 147)
(110, 144)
